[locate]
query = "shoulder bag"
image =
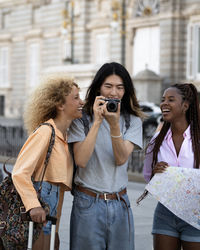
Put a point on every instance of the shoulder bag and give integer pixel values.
(14, 221)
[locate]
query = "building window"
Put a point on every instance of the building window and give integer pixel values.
(5, 22)
(2, 105)
(4, 67)
(146, 50)
(193, 51)
(34, 64)
(36, 15)
(67, 50)
(102, 48)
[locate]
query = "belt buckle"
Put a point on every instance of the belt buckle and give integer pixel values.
(105, 197)
(22, 210)
(2, 224)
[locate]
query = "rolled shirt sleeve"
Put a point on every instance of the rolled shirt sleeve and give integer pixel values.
(76, 131)
(134, 132)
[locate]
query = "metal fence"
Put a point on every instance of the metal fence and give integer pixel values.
(13, 138)
(135, 163)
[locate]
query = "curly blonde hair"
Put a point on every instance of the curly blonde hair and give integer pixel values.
(41, 105)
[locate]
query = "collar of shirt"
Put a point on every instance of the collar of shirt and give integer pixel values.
(57, 131)
(186, 134)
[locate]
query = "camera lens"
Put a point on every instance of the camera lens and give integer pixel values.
(112, 106)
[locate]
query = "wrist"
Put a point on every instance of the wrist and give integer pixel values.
(97, 123)
(114, 127)
(115, 130)
(116, 136)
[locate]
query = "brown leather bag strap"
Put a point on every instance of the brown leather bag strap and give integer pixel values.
(4, 167)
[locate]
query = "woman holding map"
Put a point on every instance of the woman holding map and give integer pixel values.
(177, 144)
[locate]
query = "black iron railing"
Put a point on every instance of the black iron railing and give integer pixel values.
(13, 138)
(136, 159)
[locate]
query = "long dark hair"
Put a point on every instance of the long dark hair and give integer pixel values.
(189, 93)
(129, 102)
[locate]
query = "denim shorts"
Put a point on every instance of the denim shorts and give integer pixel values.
(167, 223)
(50, 195)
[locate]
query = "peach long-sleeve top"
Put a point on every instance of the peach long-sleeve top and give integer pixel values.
(30, 162)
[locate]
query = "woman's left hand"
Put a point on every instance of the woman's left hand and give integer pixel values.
(38, 215)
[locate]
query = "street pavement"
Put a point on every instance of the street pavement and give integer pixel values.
(143, 216)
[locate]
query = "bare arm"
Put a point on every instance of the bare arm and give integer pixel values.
(83, 150)
(121, 148)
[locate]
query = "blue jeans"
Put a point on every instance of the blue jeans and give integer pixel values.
(50, 195)
(97, 224)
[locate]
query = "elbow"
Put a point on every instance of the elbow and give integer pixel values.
(80, 161)
(15, 179)
(80, 164)
(13, 176)
(121, 159)
(147, 178)
(120, 162)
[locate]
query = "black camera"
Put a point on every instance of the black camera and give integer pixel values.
(112, 104)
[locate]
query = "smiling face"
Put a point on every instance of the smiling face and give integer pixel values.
(72, 108)
(112, 87)
(173, 106)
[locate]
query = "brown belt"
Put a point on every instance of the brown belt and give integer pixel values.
(104, 196)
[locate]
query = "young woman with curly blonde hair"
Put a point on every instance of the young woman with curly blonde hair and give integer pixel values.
(56, 101)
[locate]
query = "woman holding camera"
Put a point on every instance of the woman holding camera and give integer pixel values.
(101, 216)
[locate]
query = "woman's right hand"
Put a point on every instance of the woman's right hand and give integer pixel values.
(38, 215)
(160, 167)
(98, 108)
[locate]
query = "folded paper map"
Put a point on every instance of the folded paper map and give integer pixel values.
(178, 189)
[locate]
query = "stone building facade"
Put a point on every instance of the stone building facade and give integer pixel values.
(77, 36)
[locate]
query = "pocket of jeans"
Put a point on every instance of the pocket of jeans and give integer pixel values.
(83, 202)
(162, 212)
(46, 188)
(46, 192)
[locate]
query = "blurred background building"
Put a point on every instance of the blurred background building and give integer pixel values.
(157, 40)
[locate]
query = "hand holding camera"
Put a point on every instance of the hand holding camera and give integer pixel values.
(112, 104)
(107, 108)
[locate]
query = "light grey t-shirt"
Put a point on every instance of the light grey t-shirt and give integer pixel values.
(101, 173)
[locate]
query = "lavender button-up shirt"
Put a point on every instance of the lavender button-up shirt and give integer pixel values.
(167, 153)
